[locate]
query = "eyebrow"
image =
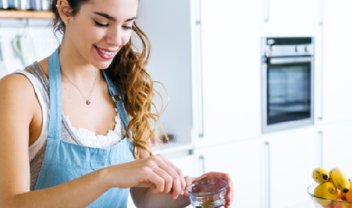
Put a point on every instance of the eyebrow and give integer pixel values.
(112, 18)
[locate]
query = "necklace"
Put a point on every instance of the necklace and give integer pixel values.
(87, 98)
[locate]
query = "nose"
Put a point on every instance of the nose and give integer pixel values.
(114, 36)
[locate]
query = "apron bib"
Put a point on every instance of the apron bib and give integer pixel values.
(64, 161)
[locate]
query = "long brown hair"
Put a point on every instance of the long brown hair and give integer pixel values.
(136, 85)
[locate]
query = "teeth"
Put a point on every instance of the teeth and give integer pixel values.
(107, 53)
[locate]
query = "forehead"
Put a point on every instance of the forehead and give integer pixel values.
(119, 9)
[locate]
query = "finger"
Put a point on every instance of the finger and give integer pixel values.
(168, 180)
(179, 180)
(154, 180)
(185, 193)
(176, 189)
(172, 170)
(188, 180)
(229, 193)
(154, 165)
(183, 183)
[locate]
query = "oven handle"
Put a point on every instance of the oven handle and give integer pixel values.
(289, 60)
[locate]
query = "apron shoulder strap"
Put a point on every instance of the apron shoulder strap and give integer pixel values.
(116, 96)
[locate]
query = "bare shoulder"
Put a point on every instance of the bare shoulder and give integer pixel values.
(16, 91)
(15, 85)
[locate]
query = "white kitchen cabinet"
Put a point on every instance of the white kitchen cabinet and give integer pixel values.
(291, 14)
(292, 156)
(244, 161)
(337, 143)
(227, 33)
(337, 73)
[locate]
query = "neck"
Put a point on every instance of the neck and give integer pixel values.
(73, 64)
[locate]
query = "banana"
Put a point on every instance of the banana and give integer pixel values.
(340, 180)
(326, 190)
(320, 175)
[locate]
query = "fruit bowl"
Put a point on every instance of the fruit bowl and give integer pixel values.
(320, 202)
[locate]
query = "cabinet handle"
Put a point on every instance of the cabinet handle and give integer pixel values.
(201, 161)
(321, 116)
(321, 11)
(199, 70)
(200, 92)
(268, 174)
(266, 10)
(197, 12)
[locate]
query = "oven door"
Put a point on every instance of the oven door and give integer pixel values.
(287, 92)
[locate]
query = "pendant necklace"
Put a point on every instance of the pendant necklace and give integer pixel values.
(87, 98)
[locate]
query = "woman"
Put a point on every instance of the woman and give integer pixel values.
(78, 152)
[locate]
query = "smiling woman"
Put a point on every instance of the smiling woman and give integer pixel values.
(85, 115)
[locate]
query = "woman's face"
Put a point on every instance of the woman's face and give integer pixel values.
(100, 29)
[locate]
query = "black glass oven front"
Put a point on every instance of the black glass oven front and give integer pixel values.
(287, 83)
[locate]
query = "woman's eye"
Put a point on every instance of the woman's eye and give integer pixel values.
(127, 27)
(101, 24)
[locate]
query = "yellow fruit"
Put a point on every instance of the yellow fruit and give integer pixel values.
(339, 179)
(320, 175)
(348, 195)
(340, 195)
(326, 190)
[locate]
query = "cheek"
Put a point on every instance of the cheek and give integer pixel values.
(92, 36)
(126, 38)
(85, 32)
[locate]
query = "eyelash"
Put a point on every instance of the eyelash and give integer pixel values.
(100, 24)
(107, 25)
(127, 27)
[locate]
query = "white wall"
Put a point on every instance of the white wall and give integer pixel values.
(170, 60)
(40, 31)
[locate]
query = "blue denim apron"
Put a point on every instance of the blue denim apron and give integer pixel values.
(65, 161)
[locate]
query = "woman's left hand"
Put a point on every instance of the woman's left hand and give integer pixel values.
(225, 176)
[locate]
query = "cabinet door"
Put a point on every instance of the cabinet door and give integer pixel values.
(292, 14)
(244, 162)
(230, 68)
(336, 61)
(292, 157)
(337, 140)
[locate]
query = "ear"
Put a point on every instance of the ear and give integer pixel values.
(64, 9)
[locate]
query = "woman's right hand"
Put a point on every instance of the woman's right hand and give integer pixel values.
(154, 172)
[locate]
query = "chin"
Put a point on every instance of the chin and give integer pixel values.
(102, 64)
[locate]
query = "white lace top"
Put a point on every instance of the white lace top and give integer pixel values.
(85, 137)
(90, 139)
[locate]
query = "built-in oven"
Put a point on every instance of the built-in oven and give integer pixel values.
(287, 82)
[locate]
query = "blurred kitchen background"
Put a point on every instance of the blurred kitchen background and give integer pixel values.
(260, 89)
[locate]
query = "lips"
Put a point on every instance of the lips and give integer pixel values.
(106, 54)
